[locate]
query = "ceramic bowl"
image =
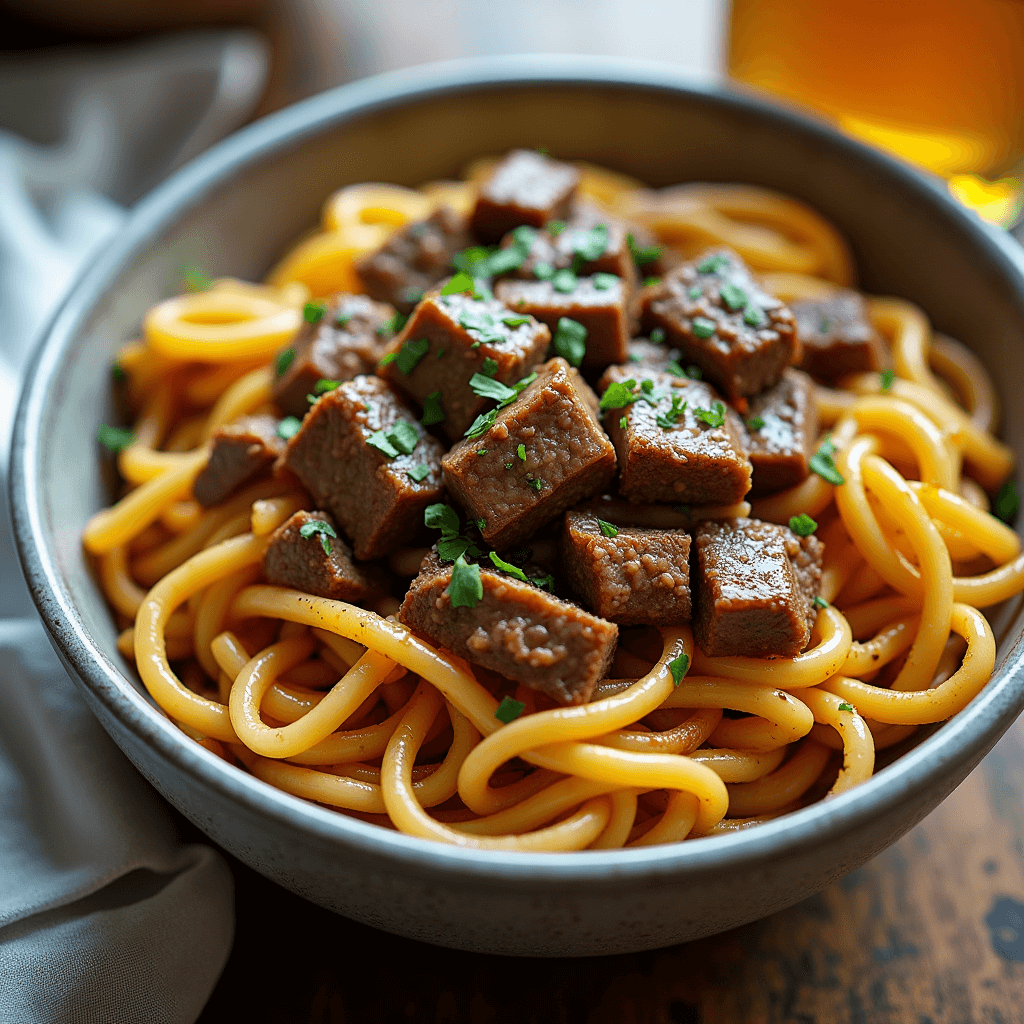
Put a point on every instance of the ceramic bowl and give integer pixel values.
(234, 211)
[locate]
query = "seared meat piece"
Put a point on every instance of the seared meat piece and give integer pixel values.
(723, 321)
(345, 342)
(599, 303)
(414, 259)
(316, 561)
(628, 574)
(838, 337)
(755, 584)
(365, 459)
(782, 428)
(676, 440)
(543, 453)
(589, 242)
(517, 629)
(241, 451)
(448, 339)
(525, 188)
(645, 354)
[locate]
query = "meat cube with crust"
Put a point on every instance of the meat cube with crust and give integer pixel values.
(627, 574)
(782, 429)
(414, 259)
(241, 450)
(675, 439)
(716, 313)
(755, 585)
(447, 340)
(525, 187)
(543, 453)
(364, 458)
(345, 342)
(837, 336)
(600, 303)
(307, 553)
(517, 630)
(589, 242)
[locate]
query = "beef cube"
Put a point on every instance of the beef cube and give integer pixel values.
(447, 340)
(651, 354)
(590, 242)
(241, 451)
(517, 630)
(525, 188)
(345, 342)
(782, 429)
(414, 259)
(542, 454)
(755, 586)
(838, 337)
(303, 555)
(713, 309)
(599, 303)
(365, 459)
(627, 574)
(676, 440)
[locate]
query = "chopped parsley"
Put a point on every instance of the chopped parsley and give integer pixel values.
(755, 423)
(679, 667)
(394, 325)
(669, 419)
(823, 464)
(482, 327)
(543, 271)
(819, 602)
(754, 316)
(846, 707)
(602, 282)
(461, 282)
(486, 420)
(544, 582)
(509, 710)
(712, 264)
(442, 517)
(657, 335)
(318, 528)
(284, 359)
(695, 291)
(694, 373)
(412, 295)
(323, 385)
(622, 422)
(713, 417)
(432, 411)
(802, 525)
(466, 589)
(401, 439)
(418, 473)
(702, 327)
(888, 379)
(313, 312)
(564, 281)
(535, 482)
(674, 368)
(642, 255)
(410, 354)
(734, 297)
(117, 372)
(608, 529)
(590, 245)
(116, 439)
(341, 319)
(513, 570)
(195, 278)
(521, 452)
(570, 341)
(618, 395)
(515, 321)
(1007, 501)
(650, 282)
(554, 227)
(488, 387)
(288, 427)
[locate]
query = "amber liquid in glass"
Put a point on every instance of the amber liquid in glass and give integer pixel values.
(939, 82)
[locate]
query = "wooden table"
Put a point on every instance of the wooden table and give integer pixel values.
(930, 932)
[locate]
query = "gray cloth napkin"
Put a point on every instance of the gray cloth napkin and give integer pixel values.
(105, 914)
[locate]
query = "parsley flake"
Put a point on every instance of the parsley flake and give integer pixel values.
(650, 282)
(536, 483)
(712, 264)
(543, 271)
(591, 245)
(466, 589)
(802, 525)
(432, 411)
(288, 427)
(1007, 502)
(513, 570)
(486, 420)
(819, 602)
(117, 372)
(323, 385)
(679, 667)
(846, 707)
(313, 312)
(608, 529)
(116, 439)
(342, 319)
(694, 373)
(195, 278)
(642, 255)
(284, 359)
(823, 464)
(411, 353)
(657, 335)
(412, 295)
(713, 417)
(755, 423)
(554, 227)
(669, 419)
(602, 282)
(734, 297)
(674, 368)
(702, 327)
(888, 379)
(317, 527)
(618, 395)
(380, 440)
(461, 282)
(509, 710)
(622, 422)
(521, 452)
(564, 281)
(695, 291)
(488, 387)
(570, 341)
(418, 473)
(515, 321)
(489, 367)
(544, 582)
(754, 316)
(404, 437)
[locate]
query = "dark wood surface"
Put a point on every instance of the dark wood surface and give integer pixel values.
(930, 932)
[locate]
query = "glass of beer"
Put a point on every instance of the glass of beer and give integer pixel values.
(938, 82)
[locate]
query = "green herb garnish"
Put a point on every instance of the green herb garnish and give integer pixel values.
(754, 316)
(694, 373)
(679, 667)
(622, 422)
(755, 423)
(288, 427)
(823, 464)
(608, 529)
(117, 372)
(341, 319)
(802, 525)
(570, 341)
(515, 321)
(195, 279)
(323, 385)
(418, 473)
(1007, 501)
(513, 570)
(734, 297)
(543, 271)
(521, 452)
(712, 264)
(564, 281)
(486, 420)
(591, 245)
(846, 707)
(284, 359)
(535, 482)
(618, 395)
(702, 327)
(404, 437)
(647, 254)
(657, 335)
(410, 354)
(508, 710)
(466, 589)
(669, 419)
(819, 602)
(313, 312)
(602, 282)
(713, 417)
(116, 439)
(554, 227)
(432, 411)
(461, 282)
(888, 379)
(318, 528)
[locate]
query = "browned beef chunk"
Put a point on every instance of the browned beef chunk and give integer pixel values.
(448, 339)
(782, 428)
(525, 188)
(755, 584)
(589, 242)
(517, 630)
(628, 574)
(652, 355)
(723, 321)
(599, 303)
(677, 441)
(837, 336)
(543, 453)
(304, 556)
(241, 450)
(347, 341)
(414, 259)
(365, 459)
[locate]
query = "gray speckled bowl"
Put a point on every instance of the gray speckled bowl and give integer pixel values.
(234, 211)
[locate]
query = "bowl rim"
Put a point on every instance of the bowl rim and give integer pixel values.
(969, 735)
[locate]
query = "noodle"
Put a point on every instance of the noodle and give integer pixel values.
(347, 707)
